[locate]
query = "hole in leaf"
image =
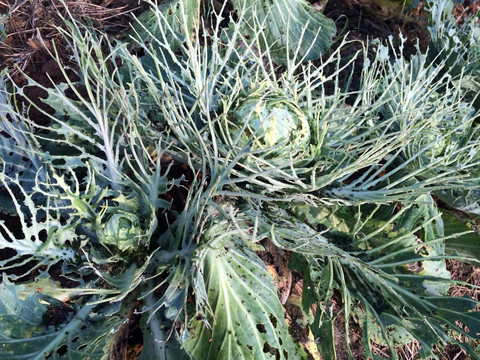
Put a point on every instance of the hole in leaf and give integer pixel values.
(268, 349)
(42, 235)
(273, 320)
(261, 328)
(62, 350)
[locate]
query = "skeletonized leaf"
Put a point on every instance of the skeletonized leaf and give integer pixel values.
(30, 329)
(26, 234)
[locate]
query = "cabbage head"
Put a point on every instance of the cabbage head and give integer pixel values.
(127, 227)
(276, 125)
(444, 138)
(123, 231)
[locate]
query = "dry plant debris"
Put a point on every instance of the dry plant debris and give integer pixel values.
(33, 28)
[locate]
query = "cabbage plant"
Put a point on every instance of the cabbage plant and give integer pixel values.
(270, 154)
(421, 98)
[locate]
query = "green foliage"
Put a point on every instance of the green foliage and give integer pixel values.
(244, 318)
(292, 30)
(33, 330)
(273, 148)
(464, 240)
(395, 295)
(458, 46)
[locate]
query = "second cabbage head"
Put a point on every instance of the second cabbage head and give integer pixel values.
(274, 129)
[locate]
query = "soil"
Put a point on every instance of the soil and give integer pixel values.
(28, 49)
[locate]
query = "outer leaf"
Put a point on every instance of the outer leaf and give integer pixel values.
(28, 241)
(23, 335)
(467, 242)
(457, 45)
(149, 26)
(17, 154)
(399, 303)
(96, 340)
(324, 331)
(464, 200)
(26, 331)
(159, 341)
(419, 213)
(14, 161)
(445, 310)
(247, 320)
(292, 28)
(18, 317)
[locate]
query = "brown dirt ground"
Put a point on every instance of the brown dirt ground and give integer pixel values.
(31, 37)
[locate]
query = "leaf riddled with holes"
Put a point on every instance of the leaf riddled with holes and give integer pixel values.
(246, 319)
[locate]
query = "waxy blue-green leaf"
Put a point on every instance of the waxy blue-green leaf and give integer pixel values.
(160, 336)
(466, 200)
(245, 318)
(424, 211)
(149, 28)
(37, 326)
(292, 29)
(457, 44)
(467, 242)
(24, 333)
(33, 221)
(18, 155)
